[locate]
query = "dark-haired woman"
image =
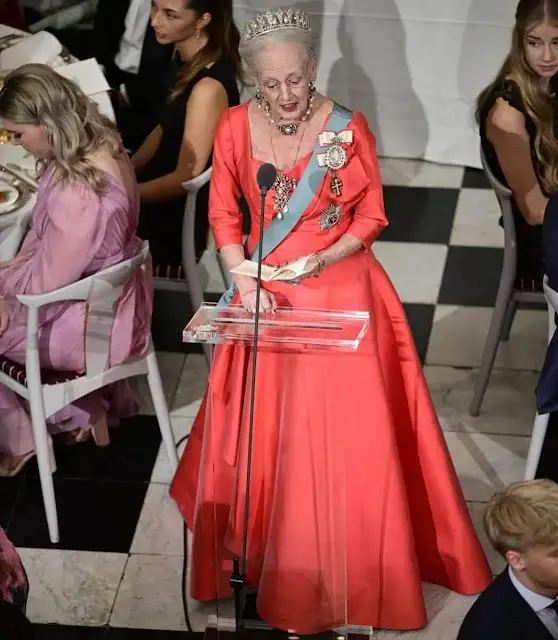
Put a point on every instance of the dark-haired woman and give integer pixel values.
(517, 119)
(180, 147)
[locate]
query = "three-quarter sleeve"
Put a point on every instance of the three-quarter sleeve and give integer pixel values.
(225, 216)
(68, 241)
(368, 217)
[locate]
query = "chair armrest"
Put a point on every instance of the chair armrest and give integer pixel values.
(195, 184)
(77, 291)
(103, 281)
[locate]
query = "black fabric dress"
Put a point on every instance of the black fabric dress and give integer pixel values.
(530, 268)
(161, 222)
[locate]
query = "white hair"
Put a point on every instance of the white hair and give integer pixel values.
(249, 49)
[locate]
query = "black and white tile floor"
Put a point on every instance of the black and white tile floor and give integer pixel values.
(118, 566)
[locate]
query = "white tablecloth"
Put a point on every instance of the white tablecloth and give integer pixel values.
(414, 67)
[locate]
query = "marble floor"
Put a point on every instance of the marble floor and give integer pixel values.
(119, 562)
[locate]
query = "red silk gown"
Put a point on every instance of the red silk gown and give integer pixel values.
(354, 497)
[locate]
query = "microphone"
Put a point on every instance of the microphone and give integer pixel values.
(266, 176)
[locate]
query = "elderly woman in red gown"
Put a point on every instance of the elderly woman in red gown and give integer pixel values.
(354, 501)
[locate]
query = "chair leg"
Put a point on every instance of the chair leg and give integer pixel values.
(536, 445)
(196, 295)
(503, 301)
(161, 408)
(508, 320)
(40, 436)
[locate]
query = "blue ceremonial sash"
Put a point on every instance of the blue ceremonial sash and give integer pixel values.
(301, 198)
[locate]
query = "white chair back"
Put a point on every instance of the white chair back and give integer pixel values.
(101, 291)
(541, 420)
(551, 295)
(192, 271)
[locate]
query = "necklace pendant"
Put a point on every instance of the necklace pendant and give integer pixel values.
(290, 129)
(279, 215)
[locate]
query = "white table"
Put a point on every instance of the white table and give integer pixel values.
(414, 67)
(13, 226)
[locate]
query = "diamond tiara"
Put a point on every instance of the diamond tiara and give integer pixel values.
(274, 20)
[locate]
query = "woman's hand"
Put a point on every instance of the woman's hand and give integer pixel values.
(267, 301)
(15, 261)
(4, 316)
(314, 266)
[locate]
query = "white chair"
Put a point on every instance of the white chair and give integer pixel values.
(48, 392)
(193, 276)
(541, 421)
(512, 292)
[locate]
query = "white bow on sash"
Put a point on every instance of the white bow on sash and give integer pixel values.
(335, 157)
(330, 137)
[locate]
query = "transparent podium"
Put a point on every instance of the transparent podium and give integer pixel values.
(271, 521)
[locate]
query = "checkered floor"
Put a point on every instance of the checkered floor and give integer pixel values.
(120, 557)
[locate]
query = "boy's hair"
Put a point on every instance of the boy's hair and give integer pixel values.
(523, 515)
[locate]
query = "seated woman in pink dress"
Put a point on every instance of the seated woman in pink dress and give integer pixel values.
(354, 501)
(84, 220)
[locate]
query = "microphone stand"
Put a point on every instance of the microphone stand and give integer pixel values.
(238, 579)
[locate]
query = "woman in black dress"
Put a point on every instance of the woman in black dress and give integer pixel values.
(206, 40)
(517, 117)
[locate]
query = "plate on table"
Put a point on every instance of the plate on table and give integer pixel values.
(11, 39)
(14, 192)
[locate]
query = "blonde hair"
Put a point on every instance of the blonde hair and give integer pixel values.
(36, 94)
(522, 516)
(538, 104)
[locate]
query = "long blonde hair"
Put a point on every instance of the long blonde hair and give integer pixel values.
(538, 104)
(36, 94)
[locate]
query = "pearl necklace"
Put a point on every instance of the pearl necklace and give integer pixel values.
(291, 128)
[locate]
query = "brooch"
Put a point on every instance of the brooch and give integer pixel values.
(330, 217)
(335, 157)
(284, 187)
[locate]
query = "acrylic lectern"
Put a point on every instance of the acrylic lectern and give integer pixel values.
(269, 550)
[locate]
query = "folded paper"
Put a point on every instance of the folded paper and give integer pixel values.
(289, 271)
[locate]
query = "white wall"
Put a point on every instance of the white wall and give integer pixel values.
(414, 67)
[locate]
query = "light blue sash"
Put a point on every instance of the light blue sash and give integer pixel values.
(301, 198)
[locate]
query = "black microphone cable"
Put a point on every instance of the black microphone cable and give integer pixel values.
(185, 566)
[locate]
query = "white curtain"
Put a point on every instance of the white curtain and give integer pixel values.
(414, 67)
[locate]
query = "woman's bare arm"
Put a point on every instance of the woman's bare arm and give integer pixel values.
(207, 102)
(505, 128)
(147, 150)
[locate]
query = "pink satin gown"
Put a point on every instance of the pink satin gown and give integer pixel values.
(354, 497)
(74, 233)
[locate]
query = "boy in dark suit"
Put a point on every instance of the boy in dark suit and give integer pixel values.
(522, 525)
